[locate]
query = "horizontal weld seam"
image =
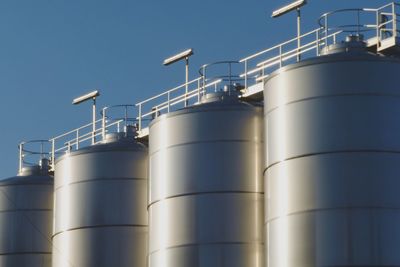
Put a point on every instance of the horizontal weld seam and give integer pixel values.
(208, 243)
(101, 179)
(333, 152)
(98, 226)
(331, 209)
(205, 193)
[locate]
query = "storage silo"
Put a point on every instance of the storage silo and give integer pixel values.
(332, 174)
(26, 212)
(206, 194)
(100, 204)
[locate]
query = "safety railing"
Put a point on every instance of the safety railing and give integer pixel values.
(376, 25)
(111, 121)
(258, 66)
(116, 118)
(32, 152)
(173, 99)
(387, 18)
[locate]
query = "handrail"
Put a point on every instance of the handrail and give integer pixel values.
(254, 69)
(277, 46)
(39, 153)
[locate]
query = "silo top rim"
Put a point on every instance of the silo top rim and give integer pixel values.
(331, 58)
(25, 180)
(230, 104)
(126, 144)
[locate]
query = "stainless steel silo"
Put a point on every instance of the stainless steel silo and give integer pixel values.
(206, 193)
(332, 174)
(100, 205)
(26, 212)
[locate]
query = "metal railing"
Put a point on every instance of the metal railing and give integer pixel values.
(387, 18)
(376, 25)
(173, 99)
(31, 152)
(258, 66)
(112, 121)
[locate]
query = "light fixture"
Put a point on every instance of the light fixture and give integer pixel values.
(286, 9)
(92, 95)
(86, 97)
(183, 55)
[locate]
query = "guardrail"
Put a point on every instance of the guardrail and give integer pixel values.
(31, 152)
(380, 24)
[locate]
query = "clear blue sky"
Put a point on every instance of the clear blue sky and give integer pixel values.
(54, 50)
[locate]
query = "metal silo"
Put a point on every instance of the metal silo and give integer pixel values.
(26, 212)
(206, 193)
(100, 204)
(332, 174)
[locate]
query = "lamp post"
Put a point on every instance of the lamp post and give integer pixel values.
(183, 55)
(288, 8)
(84, 98)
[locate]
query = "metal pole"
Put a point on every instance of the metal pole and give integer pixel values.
(53, 143)
(77, 139)
(94, 121)
(187, 80)
(126, 116)
(140, 117)
(103, 124)
(394, 18)
(198, 90)
(20, 157)
(204, 80)
(245, 74)
(169, 101)
(298, 34)
(41, 150)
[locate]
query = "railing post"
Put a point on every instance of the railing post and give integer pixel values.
(317, 37)
(245, 74)
(204, 80)
(21, 155)
(298, 34)
(77, 139)
(53, 157)
(263, 71)
(41, 150)
(280, 57)
(230, 75)
(140, 117)
(169, 99)
(94, 122)
(103, 124)
(378, 30)
(198, 91)
(394, 19)
(326, 29)
(126, 116)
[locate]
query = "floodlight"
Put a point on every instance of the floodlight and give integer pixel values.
(86, 97)
(177, 57)
(183, 55)
(283, 10)
(89, 96)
